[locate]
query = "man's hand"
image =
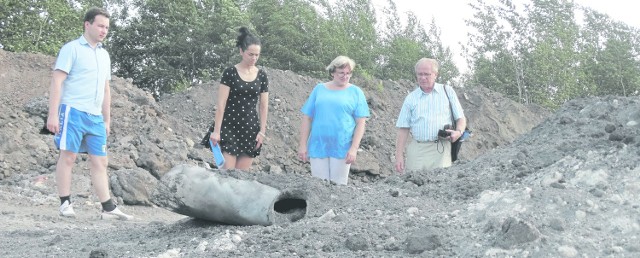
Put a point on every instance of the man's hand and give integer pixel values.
(53, 124)
(454, 135)
(107, 126)
(400, 165)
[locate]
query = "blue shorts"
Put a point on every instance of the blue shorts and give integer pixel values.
(81, 132)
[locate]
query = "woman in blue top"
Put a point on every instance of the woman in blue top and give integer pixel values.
(333, 124)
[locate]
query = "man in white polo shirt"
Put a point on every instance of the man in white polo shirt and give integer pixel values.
(79, 111)
(425, 111)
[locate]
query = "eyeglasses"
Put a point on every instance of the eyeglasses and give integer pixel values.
(343, 74)
(424, 74)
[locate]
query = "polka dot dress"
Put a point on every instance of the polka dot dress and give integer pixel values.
(240, 124)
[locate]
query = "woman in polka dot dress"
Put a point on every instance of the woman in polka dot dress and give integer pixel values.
(242, 87)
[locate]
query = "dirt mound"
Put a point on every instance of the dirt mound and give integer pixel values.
(495, 120)
(569, 187)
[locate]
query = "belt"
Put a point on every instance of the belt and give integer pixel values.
(431, 141)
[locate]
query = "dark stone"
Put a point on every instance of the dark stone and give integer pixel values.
(98, 254)
(566, 120)
(617, 137)
(422, 240)
(558, 185)
(515, 232)
(395, 193)
(556, 224)
(357, 243)
(133, 185)
(609, 128)
(596, 192)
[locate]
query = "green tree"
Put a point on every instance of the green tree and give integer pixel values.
(448, 70)
(611, 57)
(553, 71)
(351, 29)
(346, 28)
(405, 41)
(542, 55)
(174, 43)
(290, 33)
(530, 57)
(38, 26)
(493, 60)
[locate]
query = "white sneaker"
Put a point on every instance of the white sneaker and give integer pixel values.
(115, 214)
(66, 209)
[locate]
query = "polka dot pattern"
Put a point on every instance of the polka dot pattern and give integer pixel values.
(240, 124)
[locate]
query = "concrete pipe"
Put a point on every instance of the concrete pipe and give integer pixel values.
(201, 193)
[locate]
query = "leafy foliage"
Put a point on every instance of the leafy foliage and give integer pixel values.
(611, 55)
(291, 32)
(537, 52)
(544, 56)
(166, 45)
(38, 26)
(173, 43)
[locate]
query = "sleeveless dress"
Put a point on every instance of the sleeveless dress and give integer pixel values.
(240, 123)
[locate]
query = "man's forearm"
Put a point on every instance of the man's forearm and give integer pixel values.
(461, 124)
(401, 140)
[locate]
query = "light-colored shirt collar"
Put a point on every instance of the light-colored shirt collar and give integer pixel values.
(84, 41)
(436, 87)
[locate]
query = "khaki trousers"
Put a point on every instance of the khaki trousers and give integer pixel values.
(428, 155)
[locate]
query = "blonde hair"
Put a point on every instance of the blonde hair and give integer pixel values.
(341, 62)
(434, 64)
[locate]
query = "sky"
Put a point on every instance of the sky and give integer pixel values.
(450, 15)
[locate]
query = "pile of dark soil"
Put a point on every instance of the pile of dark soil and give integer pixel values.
(530, 183)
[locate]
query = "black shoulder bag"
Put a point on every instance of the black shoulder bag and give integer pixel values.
(455, 146)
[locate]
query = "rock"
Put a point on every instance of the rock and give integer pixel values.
(422, 240)
(567, 251)
(275, 169)
(155, 165)
(133, 185)
(596, 192)
(366, 162)
(357, 243)
(38, 107)
(515, 232)
(557, 185)
(190, 143)
(394, 193)
(609, 128)
(616, 137)
(391, 244)
(328, 215)
(98, 254)
(557, 224)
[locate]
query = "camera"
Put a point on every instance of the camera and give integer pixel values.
(443, 132)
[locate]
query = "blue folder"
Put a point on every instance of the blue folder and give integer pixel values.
(217, 154)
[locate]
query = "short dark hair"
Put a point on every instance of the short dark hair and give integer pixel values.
(91, 14)
(246, 39)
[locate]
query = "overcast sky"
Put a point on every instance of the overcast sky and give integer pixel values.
(450, 16)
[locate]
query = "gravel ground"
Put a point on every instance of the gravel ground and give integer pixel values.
(531, 184)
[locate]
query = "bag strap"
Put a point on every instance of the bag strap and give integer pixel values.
(453, 119)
